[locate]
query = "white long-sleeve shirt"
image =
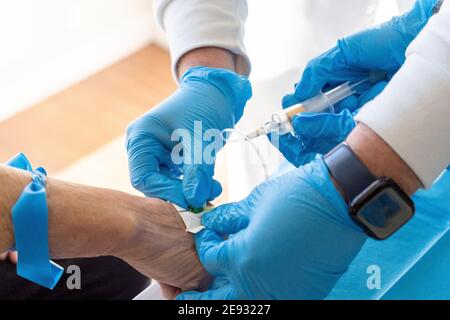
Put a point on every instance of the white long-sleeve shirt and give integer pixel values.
(412, 114)
(195, 24)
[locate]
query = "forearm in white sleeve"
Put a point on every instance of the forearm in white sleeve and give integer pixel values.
(412, 114)
(192, 24)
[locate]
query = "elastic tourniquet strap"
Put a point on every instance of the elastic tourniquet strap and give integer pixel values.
(30, 221)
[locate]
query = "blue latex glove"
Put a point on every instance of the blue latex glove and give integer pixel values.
(216, 97)
(381, 48)
(313, 133)
(291, 238)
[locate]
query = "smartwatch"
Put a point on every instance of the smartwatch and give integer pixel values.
(377, 204)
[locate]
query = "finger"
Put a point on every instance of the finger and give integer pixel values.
(198, 186)
(212, 252)
(3, 256)
(289, 100)
(289, 146)
(163, 187)
(388, 57)
(323, 125)
(372, 93)
(311, 125)
(148, 163)
(351, 103)
(223, 293)
(13, 257)
(226, 219)
(145, 154)
(330, 68)
(216, 190)
(312, 80)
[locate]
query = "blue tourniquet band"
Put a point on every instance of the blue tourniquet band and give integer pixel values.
(30, 221)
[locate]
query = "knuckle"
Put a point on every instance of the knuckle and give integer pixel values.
(136, 182)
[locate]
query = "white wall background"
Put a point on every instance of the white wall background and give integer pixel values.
(47, 45)
(286, 33)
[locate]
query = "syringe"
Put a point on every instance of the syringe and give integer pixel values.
(281, 121)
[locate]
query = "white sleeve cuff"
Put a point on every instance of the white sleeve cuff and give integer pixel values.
(412, 115)
(192, 24)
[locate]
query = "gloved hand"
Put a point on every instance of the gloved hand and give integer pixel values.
(313, 133)
(381, 48)
(291, 238)
(206, 99)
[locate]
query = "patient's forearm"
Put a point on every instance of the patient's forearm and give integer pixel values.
(86, 222)
(83, 221)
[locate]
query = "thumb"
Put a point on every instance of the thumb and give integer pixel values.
(213, 252)
(312, 81)
(289, 100)
(226, 219)
(317, 74)
(323, 125)
(13, 257)
(289, 145)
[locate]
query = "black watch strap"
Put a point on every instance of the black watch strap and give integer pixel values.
(349, 172)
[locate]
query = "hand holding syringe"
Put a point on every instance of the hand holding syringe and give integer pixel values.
(282, 121)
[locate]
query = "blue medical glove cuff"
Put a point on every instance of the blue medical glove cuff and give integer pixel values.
(30, 222)
(235, 87)
(319, 177)
(413, 21)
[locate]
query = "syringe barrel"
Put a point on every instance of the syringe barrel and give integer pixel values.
(339, 93)
(325, 101)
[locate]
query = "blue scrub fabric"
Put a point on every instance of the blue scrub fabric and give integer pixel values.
(422, 244)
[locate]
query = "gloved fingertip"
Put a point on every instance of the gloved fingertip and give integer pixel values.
(289, 100)
(196, 187)
(351, 103)
(212, 251)
(288, 144)
(179, 201)
(308, 124)
(229, 219)
(214, 218)
(216, 190)
(157, 185)
(370, 94)
(207, 238)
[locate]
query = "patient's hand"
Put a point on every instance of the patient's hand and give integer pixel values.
(161, 248)
(11, 256)
(85, 221)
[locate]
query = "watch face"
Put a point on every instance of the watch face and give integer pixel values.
(384, 213)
